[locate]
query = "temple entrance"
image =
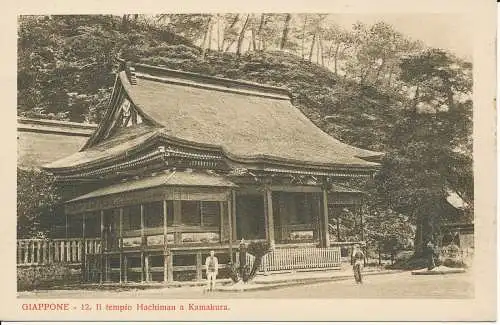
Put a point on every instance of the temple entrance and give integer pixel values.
(250, 219)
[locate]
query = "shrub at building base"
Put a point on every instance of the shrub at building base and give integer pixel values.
(244, 272)
(44, 277)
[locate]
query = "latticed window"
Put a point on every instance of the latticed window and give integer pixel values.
(153, 214)
(132, 217)
(210, 212)
(197, 213)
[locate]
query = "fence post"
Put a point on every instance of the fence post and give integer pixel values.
(62, 252)
(73, 251)
(199, 271)
(19, 252)
(45, 252)
(32, 251)
(49, 244)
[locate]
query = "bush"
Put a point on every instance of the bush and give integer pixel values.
(448, 262)
(43, 277)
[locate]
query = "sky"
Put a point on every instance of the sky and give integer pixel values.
(447, 31)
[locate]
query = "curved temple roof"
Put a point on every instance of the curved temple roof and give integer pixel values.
(248, 122)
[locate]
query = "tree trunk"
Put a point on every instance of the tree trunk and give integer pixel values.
(303, 36)
(379, 70)
(254, 43)
(242, 36)
(364, 76)
(284, 36)
(389, 79)
(338, 229)
(317, 49)
(236, 19)
(335, 59)
(329, 53)
(322, 56)
(379, 255)
(125, 22)
(218, 35)
(210, 32)
(203, 48)
(259, 34)
(312, 48)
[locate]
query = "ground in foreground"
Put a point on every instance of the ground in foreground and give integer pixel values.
(391, 286)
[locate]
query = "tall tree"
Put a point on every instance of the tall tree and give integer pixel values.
(432, 144)
(286, 27)
(241, 37)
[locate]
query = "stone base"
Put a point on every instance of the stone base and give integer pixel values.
(439, 270)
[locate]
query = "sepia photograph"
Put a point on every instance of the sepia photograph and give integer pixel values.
(222, 156)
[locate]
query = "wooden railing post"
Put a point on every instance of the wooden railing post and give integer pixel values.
(231, 208)
(31, 244)
(38, 251)
(45, 256)
(199, 274)
(120, 243)
(143, 244)
(165, 242)
(146, 266)
(101, 252)
(268, 212)
(51, 251)
(170, 266)
(324, 216)
(84, 250)
(125, 269)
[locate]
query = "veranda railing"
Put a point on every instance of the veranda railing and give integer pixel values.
(48, 251)
(304, 258)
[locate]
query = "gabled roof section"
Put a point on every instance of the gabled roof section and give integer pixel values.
(247, 122)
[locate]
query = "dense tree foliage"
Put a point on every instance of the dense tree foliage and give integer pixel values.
(37, 201)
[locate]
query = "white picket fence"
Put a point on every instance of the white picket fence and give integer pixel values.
(304, 258)
(48, 251)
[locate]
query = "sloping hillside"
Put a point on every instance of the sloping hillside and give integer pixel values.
(66, 72)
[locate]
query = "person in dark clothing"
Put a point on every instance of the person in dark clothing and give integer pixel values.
(357, 259)
(430, 255)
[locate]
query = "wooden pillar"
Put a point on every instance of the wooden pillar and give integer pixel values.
(125, 268)
(177, 221)
(147, 266)
(324, 217)
(233, 215)
(84, 256)
(230, 211)
(66, 227)
(283, 216)
(222, 228)
(338, 228)
(143, 244)
(120, 242)
(101, 257)
(360, 212)
(170, 267)
(199, 265)
(165, 242)
(268, 213)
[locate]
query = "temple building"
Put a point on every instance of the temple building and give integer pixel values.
(184, 163)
